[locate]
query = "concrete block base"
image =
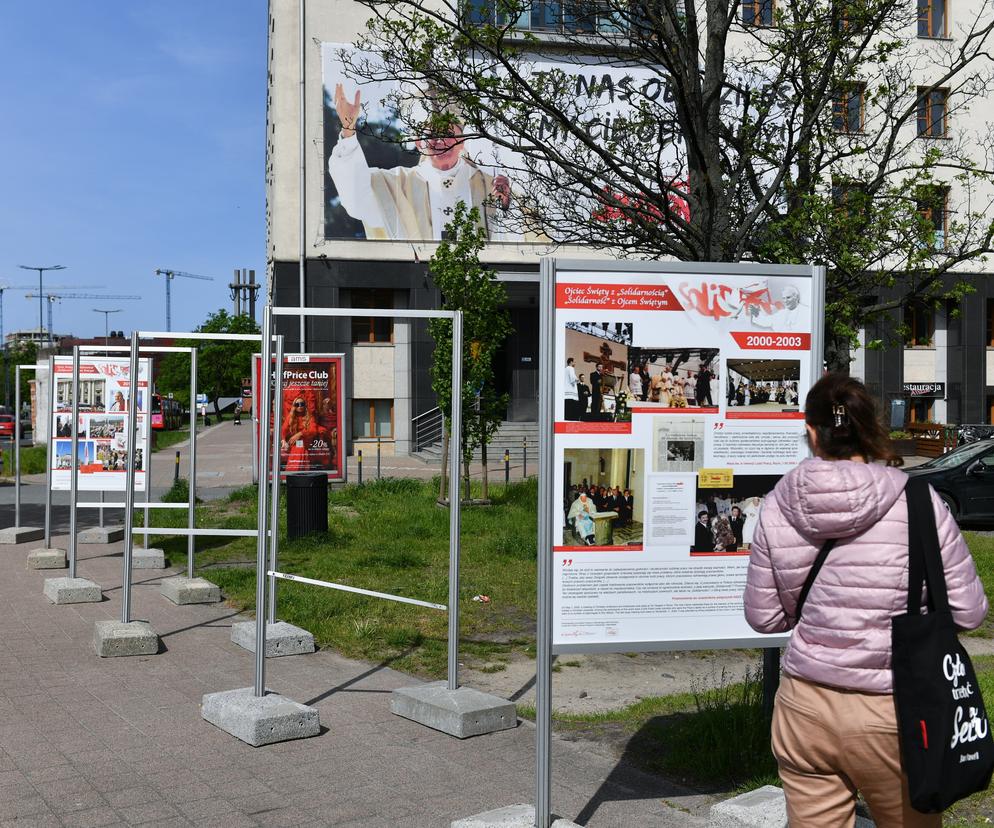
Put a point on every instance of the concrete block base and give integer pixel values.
(72, 591)
(21, 534)
(182, 590)
(513, 816)
(260, 720)
(462, 713)
(762, 808)
(102, 534)
(42, 558)
(115, 638)
(148, 558)
(282, 639)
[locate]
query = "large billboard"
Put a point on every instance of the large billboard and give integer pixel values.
(381, 182)
(105, 396)
(678, 405)
(310, 395)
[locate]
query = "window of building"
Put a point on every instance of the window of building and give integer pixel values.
(371, 328)
(920, 322)
(990, 410)
(932, 18)
(372, 418)
(933, 205)
(757, 12)
(848, 109)
(920, 411)
(990, 323)
(550, 16)
(933, 120)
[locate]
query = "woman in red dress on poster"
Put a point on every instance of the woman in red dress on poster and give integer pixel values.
(300, 429)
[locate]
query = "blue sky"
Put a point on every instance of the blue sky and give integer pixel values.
(134, 138)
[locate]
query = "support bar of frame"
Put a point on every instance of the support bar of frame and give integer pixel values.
(394, 313)
(262, 513)
(184, 531)
(373, 594)
(223, 337)
(93, 504)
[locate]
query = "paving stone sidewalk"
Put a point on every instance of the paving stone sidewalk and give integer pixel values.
(91, 742)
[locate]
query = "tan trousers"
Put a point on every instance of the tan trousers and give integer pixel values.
(831, 743)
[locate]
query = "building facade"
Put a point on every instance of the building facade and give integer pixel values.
(325, 249)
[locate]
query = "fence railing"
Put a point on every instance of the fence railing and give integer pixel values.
(426, 428)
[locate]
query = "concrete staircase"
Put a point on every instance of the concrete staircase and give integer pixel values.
(510, 436)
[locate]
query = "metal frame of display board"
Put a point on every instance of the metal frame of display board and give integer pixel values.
(546, 482)
(74, 504)
(455, 443)
(16, 452)
(190, 531)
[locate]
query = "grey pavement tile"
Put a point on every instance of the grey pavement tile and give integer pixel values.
(232, 820)
(147, 812)
(94, 818)
(36, 821)
(206, 809)
(27, 804)
(187, 792)
(129, 797)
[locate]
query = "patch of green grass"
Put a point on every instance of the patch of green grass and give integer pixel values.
(393, 538)
(33, 459)
(166, 439)
(982, 549)
(714, 737)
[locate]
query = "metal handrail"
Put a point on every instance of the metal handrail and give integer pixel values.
(427, 428)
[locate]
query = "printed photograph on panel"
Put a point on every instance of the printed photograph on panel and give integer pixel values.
(603, 501)
(674, 379)
(726, 518)
(92, 395)
(596, 386)
(756, 386)
(679, 444)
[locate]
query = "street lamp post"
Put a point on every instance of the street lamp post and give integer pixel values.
(41, 297)
(106, 314)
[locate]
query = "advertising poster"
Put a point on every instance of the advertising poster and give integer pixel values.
(105, 394)
(678, 406)
(310, 394)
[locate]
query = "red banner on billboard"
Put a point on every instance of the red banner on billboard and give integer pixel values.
(310, 395)
(616, 297)
(769, 341)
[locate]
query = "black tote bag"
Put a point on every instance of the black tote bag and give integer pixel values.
(946, 741)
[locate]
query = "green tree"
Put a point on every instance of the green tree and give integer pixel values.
(721, 131)
(468, 286)
(21, 353)
(221, 365)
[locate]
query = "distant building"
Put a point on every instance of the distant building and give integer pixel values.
(39, 336)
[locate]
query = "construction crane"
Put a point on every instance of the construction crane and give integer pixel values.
(170, 275)
(52, 298)
(4, 288)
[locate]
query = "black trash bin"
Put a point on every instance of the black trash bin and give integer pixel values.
(306, 503)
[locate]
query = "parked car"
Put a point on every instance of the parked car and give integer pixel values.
(7, 426)
(964, 479)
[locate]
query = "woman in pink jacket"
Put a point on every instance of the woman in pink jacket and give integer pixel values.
(834, 726)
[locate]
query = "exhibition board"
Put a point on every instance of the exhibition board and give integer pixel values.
(678, 404)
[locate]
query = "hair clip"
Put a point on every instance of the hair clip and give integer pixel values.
(841, 415)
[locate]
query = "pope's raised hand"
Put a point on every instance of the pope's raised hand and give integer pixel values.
(348, 112)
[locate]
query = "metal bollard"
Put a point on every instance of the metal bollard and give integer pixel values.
(377, 459)
(360, 467)
(524, 458)
(507, 466)
(176, 469)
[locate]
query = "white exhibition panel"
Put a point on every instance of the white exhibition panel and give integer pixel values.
(104, 396)
(674, 462)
